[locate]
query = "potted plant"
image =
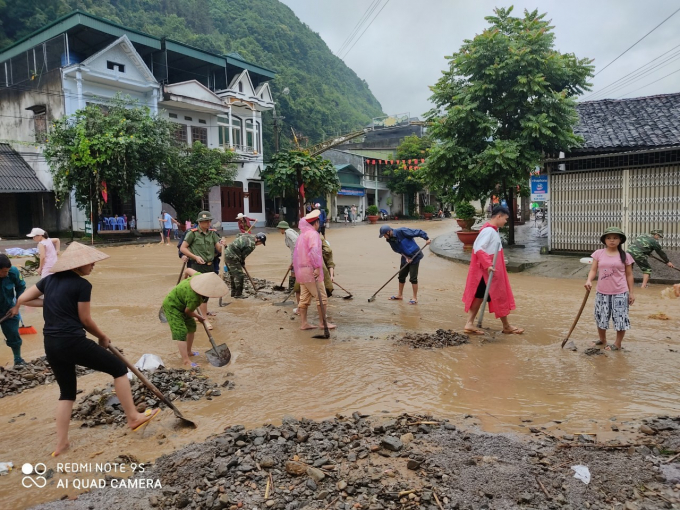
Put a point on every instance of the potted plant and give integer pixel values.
(372, 212)
(428, 211)
(465, 217)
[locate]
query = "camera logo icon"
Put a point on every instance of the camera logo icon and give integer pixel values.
(29, 470)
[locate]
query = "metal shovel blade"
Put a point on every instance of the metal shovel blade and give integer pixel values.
(161, 316)
(219, 355)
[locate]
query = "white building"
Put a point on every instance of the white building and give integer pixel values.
(81, 59)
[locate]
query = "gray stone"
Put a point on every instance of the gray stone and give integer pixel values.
(391, 443)
(315, 474)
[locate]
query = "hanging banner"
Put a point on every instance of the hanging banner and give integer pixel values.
(539, 188)
(353, 192)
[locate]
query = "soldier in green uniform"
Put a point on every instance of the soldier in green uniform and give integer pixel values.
(328, 266)
(235, 258)
(200, 246)
(12, 285)
(642, 247)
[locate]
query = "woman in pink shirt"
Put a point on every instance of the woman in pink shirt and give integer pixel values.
(48, 250)
(614, 270)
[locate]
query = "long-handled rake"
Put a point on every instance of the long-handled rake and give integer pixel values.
(281, 287)
(349, 294)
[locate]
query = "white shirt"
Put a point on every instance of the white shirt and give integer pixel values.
(291, 238)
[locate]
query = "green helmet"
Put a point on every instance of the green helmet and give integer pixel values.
(657, 232)
(283, 224)
(613, 230)
(204, 216)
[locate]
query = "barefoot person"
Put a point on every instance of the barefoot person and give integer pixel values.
(12, 285)
(642, 247)
(501, 300)
(66, 310)
(614, 270)
(401, 240)
(48, 250)
(180, 308)
(308, 265)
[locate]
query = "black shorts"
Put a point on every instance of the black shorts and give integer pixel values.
(412, 271)
(201, 268)
(481, 289)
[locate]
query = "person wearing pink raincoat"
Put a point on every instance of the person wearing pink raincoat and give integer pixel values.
(308, 267)
(501, 301)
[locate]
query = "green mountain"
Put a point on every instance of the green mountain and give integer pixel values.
(326, 96)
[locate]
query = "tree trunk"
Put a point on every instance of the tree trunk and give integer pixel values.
(511, 222)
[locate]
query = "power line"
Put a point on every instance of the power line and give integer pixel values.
(650, 83)
(362, 33)
(637, 74)
(357, 27)
(636, 42)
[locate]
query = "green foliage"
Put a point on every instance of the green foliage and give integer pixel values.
(283, 172)
(325, 97)
(402, 180)
(117, 144)
(430, 209)
(372, 210)
(465, 211)
(506, 99)
(190, 175)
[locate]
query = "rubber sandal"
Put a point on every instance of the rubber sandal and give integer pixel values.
(612, 347)
(514, 331)
(412, 302)
(151, 416)
(195, 353)
(473, 332)
(395, 298)
(212, 314)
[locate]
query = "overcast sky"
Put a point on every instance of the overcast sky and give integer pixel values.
(402, 52)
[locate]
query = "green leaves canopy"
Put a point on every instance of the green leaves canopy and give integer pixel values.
(118, 143)
(318, 174)
(505, 100)
(402, 180)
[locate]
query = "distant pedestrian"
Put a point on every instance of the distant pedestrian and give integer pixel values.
(308, 265)
(614, 270)
(48, 250)
(353, 213)
(345, 213)
(175, 230)
(401, 240)
(244, 223)
(322, 219)
(133, 223)
(167, 223)
(642, 247)
(501, 301)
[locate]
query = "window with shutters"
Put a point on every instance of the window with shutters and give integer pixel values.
(199, 134)
(39, 122)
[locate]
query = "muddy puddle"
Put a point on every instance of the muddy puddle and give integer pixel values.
(503, 381)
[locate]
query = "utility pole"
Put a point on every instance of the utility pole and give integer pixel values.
(276, 129)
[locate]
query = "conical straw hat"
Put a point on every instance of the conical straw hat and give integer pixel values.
(77, 255)
(209, 285)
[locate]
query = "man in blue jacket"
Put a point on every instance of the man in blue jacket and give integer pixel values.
(401, 240)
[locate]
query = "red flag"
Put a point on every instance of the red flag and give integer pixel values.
(373, 162)
(422, 161)
(105, 192)
(302, 190)
(391, 161)
(410, 168)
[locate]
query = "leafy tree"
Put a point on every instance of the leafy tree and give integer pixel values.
(288, 170)
(506, 98)
(116, 144)
(401, 179)
(190, 175)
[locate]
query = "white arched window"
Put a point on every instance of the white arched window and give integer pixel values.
(251, 142)
(236, 129)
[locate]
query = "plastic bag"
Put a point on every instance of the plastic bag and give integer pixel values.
(5, 468)
(148, 362)
(582, 473)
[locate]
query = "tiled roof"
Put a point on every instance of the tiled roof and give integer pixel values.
(620, 124)
(16, 176)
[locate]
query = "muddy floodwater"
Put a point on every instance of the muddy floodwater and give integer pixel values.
(278, 369)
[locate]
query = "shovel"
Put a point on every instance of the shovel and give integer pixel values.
(281, 287)
(251, 280)
(372, 298)
(488, 286)
(8, 315)
(349, 296)
(222, 265)
(219, 355)
(283, 303)
(326, 332)
(657, 258)
(578, 316)
(161, 312)
(150, 385)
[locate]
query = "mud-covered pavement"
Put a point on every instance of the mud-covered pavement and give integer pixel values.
(500, 380)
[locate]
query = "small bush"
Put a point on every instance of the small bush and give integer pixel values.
(465, 211)
(372, 210)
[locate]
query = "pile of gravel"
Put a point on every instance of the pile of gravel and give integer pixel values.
(102, 407)
(396, 463)
(34, 373)
(437, 340)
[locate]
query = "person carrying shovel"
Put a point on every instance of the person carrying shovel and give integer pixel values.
(642, 247)
(200, 246)
(244, 223)
(235, 258)
(291, 237)
(401, 240)
(66, 310)
(501, 301)
(180, 308)
(308, 265)
(12, 285)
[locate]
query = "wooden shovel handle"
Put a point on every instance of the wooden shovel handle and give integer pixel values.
(141, 376)
(657, 258)
(578, 315)
(284, 278)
